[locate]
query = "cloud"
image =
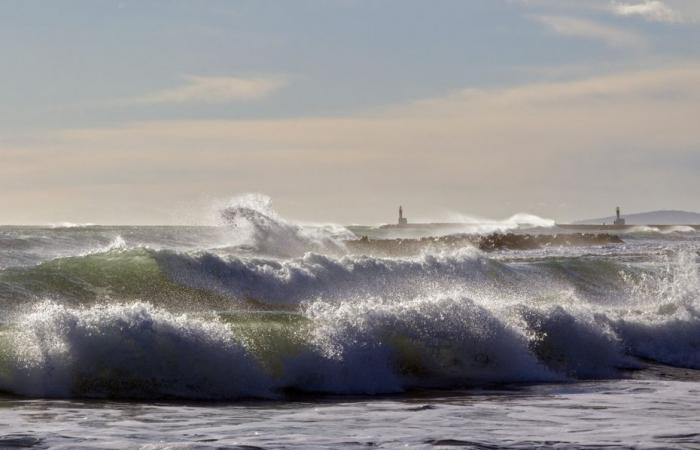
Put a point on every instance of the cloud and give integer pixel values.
(587, 29)
(667, 11)
(211, 90)
(652, 10)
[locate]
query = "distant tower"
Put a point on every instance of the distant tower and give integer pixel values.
(402, 219)
(618, 220)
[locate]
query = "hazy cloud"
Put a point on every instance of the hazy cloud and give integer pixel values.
(587, 29)
(653, 10)
(667, 11)
(212, 90)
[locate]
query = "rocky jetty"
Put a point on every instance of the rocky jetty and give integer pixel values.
(489, 242)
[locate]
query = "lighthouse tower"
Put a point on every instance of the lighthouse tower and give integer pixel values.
(618, 220)
(402, 220)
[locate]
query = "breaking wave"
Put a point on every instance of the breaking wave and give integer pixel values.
(361, 347)
(315, 276)
(168, 277)
(348, 325)
(124, 351)
(645, 229)
(259, 228)
(479, 225)
(71, 225)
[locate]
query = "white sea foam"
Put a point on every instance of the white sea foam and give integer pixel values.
(125, 351)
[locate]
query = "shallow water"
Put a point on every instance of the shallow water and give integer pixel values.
(610, 414)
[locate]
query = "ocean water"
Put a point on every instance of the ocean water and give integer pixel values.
(258, 332)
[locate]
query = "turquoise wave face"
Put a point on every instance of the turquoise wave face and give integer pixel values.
(115, 275)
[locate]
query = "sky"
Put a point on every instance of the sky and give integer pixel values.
(150, 112)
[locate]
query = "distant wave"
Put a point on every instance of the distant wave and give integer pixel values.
(71, 225)
(645, 229)
(118, 243)
(474, 224)
(679, 229)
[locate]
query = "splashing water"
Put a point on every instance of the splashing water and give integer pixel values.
(259, 227)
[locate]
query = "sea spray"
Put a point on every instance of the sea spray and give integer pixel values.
(257, 226)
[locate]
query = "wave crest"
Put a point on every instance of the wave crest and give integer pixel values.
(260, 228)
(126, 351)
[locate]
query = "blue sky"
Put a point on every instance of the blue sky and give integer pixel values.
(131, 111)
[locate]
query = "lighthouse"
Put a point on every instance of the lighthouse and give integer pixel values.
(618, 220)
(402, 220)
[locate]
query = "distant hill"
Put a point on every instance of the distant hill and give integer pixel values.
(651, 218)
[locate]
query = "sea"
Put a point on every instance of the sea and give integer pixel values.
(259, 332)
